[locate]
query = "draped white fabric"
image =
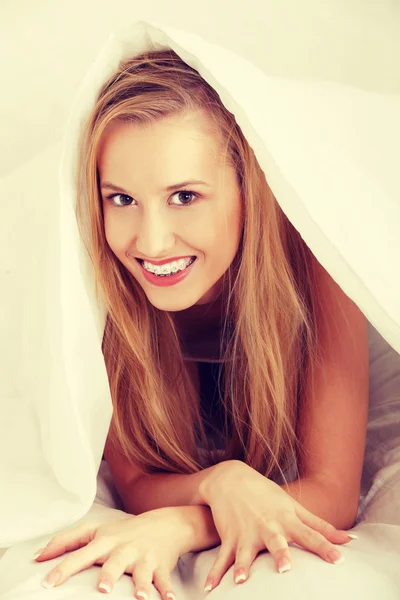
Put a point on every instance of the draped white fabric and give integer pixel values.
(330, 153)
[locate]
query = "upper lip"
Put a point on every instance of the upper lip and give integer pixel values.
(165, 261)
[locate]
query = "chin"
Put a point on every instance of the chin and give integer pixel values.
(172, 304)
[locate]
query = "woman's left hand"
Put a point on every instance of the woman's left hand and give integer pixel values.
(252, 514)
(146, 546)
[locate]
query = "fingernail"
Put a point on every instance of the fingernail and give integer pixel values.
(335, 557)
(51, 580)
(106, 587)
(142, 595)
(37, 553)
(353, 536)
(284, 565)
(208, 587)
(171, 595)
(240, 577)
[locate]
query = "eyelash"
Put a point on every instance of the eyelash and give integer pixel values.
(111, 197)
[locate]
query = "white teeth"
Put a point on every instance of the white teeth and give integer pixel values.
(172, 267)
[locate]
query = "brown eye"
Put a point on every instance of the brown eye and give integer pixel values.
(186, 197)
(112, 197)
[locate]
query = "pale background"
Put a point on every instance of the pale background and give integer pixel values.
(46, 46)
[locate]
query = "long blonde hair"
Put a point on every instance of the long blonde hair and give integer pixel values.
(269, 334)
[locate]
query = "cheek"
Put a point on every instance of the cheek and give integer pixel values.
(229, 231)
(117, 233)
(220, 241)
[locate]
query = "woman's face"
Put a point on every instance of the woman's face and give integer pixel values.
(149, 218)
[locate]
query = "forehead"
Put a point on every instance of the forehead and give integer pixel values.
(185, 139)
(143, 160)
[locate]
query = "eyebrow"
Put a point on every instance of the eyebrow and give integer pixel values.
(170, 188)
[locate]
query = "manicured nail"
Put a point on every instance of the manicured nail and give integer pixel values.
(37, 553)
(208, 587)
(240, 577)
(335, 557)
(105, 587)
(142, 595)
(171, 595)
(353, 536)
(51, 580)
(284, 565)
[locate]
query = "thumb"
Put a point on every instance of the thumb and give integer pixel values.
(69, 540)
(329, 531)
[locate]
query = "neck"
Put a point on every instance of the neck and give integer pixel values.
(200, 315)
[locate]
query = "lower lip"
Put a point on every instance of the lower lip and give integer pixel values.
(167, 280)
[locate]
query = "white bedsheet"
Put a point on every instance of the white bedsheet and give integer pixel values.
(371, 569)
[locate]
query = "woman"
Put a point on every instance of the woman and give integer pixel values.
(210, 291)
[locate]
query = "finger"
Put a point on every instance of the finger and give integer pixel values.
(278, 546)
(142, 575)
(70, 540)
(162, 582)
(336, 536)
(313, 540)
(119, 562)
(245, 555)
(74, 563)
(224, 560)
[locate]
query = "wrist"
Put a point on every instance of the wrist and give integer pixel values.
(208, 485)
(198, 529)
(203, 487)
(185, 527)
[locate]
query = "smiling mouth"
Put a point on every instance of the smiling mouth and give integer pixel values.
(163, 271)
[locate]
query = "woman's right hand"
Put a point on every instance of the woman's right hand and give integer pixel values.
(252, 514)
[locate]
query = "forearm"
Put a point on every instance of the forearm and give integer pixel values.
(323, 501)
(159, 490)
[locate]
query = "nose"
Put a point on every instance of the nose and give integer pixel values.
(155, 236)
